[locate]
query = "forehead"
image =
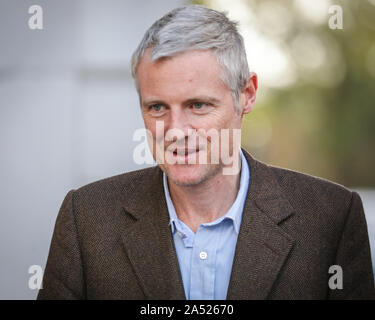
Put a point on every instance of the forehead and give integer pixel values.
(190, 72)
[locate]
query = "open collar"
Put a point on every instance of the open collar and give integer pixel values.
(261, 250)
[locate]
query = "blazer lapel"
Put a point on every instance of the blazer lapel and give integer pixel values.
(149, 243)
(262, 246)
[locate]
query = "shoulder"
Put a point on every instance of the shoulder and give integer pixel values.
(308, 195)
(313, 194)
(121, 179)
(116, 189)
(301, 189)
(319, 208)
(308, 184)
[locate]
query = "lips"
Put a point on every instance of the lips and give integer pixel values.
(184, 152)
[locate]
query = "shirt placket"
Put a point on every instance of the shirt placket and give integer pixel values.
(202, 275)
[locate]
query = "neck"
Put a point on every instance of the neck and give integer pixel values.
(205, 202)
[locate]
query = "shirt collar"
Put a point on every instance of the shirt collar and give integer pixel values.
(234, 213)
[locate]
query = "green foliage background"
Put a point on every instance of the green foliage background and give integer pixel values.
(323, 130)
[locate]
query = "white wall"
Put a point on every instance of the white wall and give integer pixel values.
(68, 110)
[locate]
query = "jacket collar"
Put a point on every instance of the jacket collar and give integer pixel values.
(262, 245)
(261, 250)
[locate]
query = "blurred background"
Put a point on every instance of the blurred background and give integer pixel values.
(68, 107)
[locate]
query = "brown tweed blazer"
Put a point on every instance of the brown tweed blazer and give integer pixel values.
(112, 240)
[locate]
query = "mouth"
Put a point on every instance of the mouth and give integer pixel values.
(183, 156)
(184, 152)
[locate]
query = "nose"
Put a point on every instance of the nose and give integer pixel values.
(179, 122)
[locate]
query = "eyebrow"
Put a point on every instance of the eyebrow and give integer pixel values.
(152, 102)
(207, 99)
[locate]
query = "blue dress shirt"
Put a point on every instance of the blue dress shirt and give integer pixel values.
(206, 257)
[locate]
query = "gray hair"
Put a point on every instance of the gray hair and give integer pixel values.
(198, 28)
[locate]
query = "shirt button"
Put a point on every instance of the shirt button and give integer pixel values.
(203, 255)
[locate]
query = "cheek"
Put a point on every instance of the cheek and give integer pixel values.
(225, 119)
(215, 119)
(150, 125)
(155, 128)
(233, 118)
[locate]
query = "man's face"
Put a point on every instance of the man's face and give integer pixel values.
(185, 92)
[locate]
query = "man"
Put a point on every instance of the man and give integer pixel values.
(210, 221)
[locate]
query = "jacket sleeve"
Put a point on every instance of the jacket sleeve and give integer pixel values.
(63, 276)
(354, 256)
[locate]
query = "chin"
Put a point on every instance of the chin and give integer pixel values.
(190, 175)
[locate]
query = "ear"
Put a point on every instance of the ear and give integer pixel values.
(248, 94)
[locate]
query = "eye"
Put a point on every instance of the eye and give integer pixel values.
(156, 107)
(201, 107)
(198, 105)
(156, 110)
